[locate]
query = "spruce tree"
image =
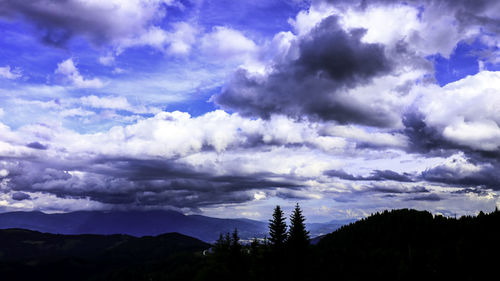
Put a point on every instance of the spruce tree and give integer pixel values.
(297, 245)
(298, 236)
(277, 228)
(235, 245)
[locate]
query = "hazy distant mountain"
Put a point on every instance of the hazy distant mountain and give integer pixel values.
(320, 229)
(141, 223)
(136, 223)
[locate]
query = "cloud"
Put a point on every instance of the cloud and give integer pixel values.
(431, 197)
(365, 138)
(134, 182)
(458, 170)
(466, 112)
(100, 22)
(8, 73)
(68, 69)
(107, 60)
(312, 82)
(226, 43)
(114, 102)
(342, 108)
(172, 159)
(397, 189)
(19, 196)
(428, 26)
(36, 145)
(179, 41)
(376, 175)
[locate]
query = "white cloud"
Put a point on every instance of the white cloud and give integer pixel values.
(115, 102)
(178, 41)
(107, 60)
(68, 69)
(118, 24)
(427, 32)
(8, 73)
(181, 38)
(227, 43)
(118, 70)
(363, 136)
(308, 19)
(465, 111)
(75, 112)
(106, 102)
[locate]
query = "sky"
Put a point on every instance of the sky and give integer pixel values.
(228, 108)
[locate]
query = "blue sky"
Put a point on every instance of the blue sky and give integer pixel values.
(227, 108)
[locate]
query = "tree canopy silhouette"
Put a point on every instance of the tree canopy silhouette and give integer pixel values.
(277, 228)
(298, 236)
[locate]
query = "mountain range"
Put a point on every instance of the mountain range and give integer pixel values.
(147, 223)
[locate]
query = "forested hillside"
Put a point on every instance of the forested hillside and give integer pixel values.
(392, 245)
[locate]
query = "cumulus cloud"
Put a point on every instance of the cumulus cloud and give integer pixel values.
(460, 170)
(466, 112)
(178, 41)
(156, 162)
(310, 83)
(8, 73)
(226, 43)
(342, 107)
(68, 69)
(99, 21)
(136, 182)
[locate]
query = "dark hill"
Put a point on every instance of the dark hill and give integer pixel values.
(31, 255)
(411, 245)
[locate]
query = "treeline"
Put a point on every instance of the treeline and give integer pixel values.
(391, 245)
(282, 256)
(411, 245)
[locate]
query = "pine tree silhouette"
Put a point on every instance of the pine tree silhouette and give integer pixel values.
(298, 236)
(277, 228)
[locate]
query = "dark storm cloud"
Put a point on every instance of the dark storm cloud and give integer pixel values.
(424, 138)
(398, 189)
(19, 196)
(474, 190)
(58, 21)
(431, 197)
(486, 176)
(291, 194)
(133, 182)
(330, 60)
(36, 145)
(377, 175)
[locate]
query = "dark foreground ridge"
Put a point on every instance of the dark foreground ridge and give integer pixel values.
(31, 255)
(392, 245)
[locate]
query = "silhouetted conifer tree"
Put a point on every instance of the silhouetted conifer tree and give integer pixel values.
(298, 236)
(235, 243)
(277, 228)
